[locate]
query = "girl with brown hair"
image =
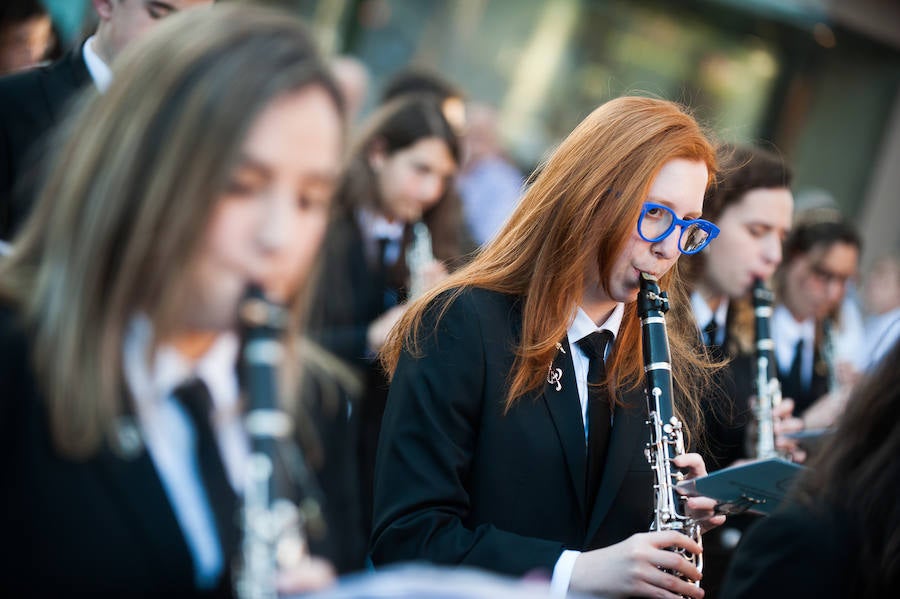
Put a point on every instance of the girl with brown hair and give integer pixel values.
(482, 459)
(400, 172)
(207, 166)
(752, 205)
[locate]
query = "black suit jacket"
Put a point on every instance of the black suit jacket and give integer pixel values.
(726, 407)
(804, 397)
(102, 525)
(350, 295)
(32, 103)
(458, 481)
(797, 552)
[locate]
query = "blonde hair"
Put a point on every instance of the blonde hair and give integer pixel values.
(137, 174)
(580, 211)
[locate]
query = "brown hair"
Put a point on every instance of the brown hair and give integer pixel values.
(579, 211)
(858, 474)
(819, 228)
(400, 124)
(742, 169)
(138, 173)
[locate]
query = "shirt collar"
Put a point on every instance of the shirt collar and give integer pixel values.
(376, 226)
(703, 314)
(99, 70)
(789, 329)
(582, 325)
(152, 379)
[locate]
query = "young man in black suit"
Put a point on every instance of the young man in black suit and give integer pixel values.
(33, 103)
(500, 449)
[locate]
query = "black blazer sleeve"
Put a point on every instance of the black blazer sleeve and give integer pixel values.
(349, 296)
(428, 450)
(797, 552)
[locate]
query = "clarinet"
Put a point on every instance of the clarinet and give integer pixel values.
(768, 388)
(271, 523)
(829, 354)
(418, 256)
(666, 435)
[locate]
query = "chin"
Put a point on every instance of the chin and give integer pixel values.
(626, 297)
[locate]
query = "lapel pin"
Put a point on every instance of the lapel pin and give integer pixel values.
(129, 441)
(554, 376)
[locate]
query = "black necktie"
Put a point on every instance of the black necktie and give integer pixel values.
(195, 397)
(709, 333)
(598, 411)
(381, 245)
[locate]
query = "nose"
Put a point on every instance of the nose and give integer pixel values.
(835, 290)
(430, 191)
(772, 250)
(273, 227)
(667, 248)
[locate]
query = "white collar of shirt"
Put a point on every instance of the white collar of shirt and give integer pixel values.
(99, 70)
(154, 380)
(582, 326)
(703, 315)
(374, 227)
(379, 227)
(786, 332)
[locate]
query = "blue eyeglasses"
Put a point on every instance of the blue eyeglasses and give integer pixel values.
(657, 222)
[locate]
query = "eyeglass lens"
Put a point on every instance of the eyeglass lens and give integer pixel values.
(656, 224)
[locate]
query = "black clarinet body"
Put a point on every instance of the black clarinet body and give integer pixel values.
(272, 523)
(666, 434)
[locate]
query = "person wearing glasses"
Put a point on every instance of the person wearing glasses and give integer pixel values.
(821, 255)
(486, 440)
(837, 532)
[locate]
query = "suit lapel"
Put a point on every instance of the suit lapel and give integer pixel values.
(627, 439)
(135, 484)
(68, 76)
(561, 397)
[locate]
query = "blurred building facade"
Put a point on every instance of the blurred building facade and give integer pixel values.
(816, 79)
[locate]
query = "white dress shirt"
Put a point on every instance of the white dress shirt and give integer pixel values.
(99, 70)
(170, 438)
(882, 331)
(703, 314)
(581, 327)
(786, 332)
(375, 227)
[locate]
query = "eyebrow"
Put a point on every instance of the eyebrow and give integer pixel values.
(664, 202)
(247, 162)
(158, 4)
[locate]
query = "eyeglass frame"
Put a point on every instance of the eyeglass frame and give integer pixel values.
(827, 277)
(711, 229)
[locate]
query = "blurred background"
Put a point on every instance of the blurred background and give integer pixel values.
(816, 79)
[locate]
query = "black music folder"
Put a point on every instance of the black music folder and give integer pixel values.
(757, 487)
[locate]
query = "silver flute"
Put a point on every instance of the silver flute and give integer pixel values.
(666, 434)
(768, 388)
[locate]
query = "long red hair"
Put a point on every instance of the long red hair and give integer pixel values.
(580, 209)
